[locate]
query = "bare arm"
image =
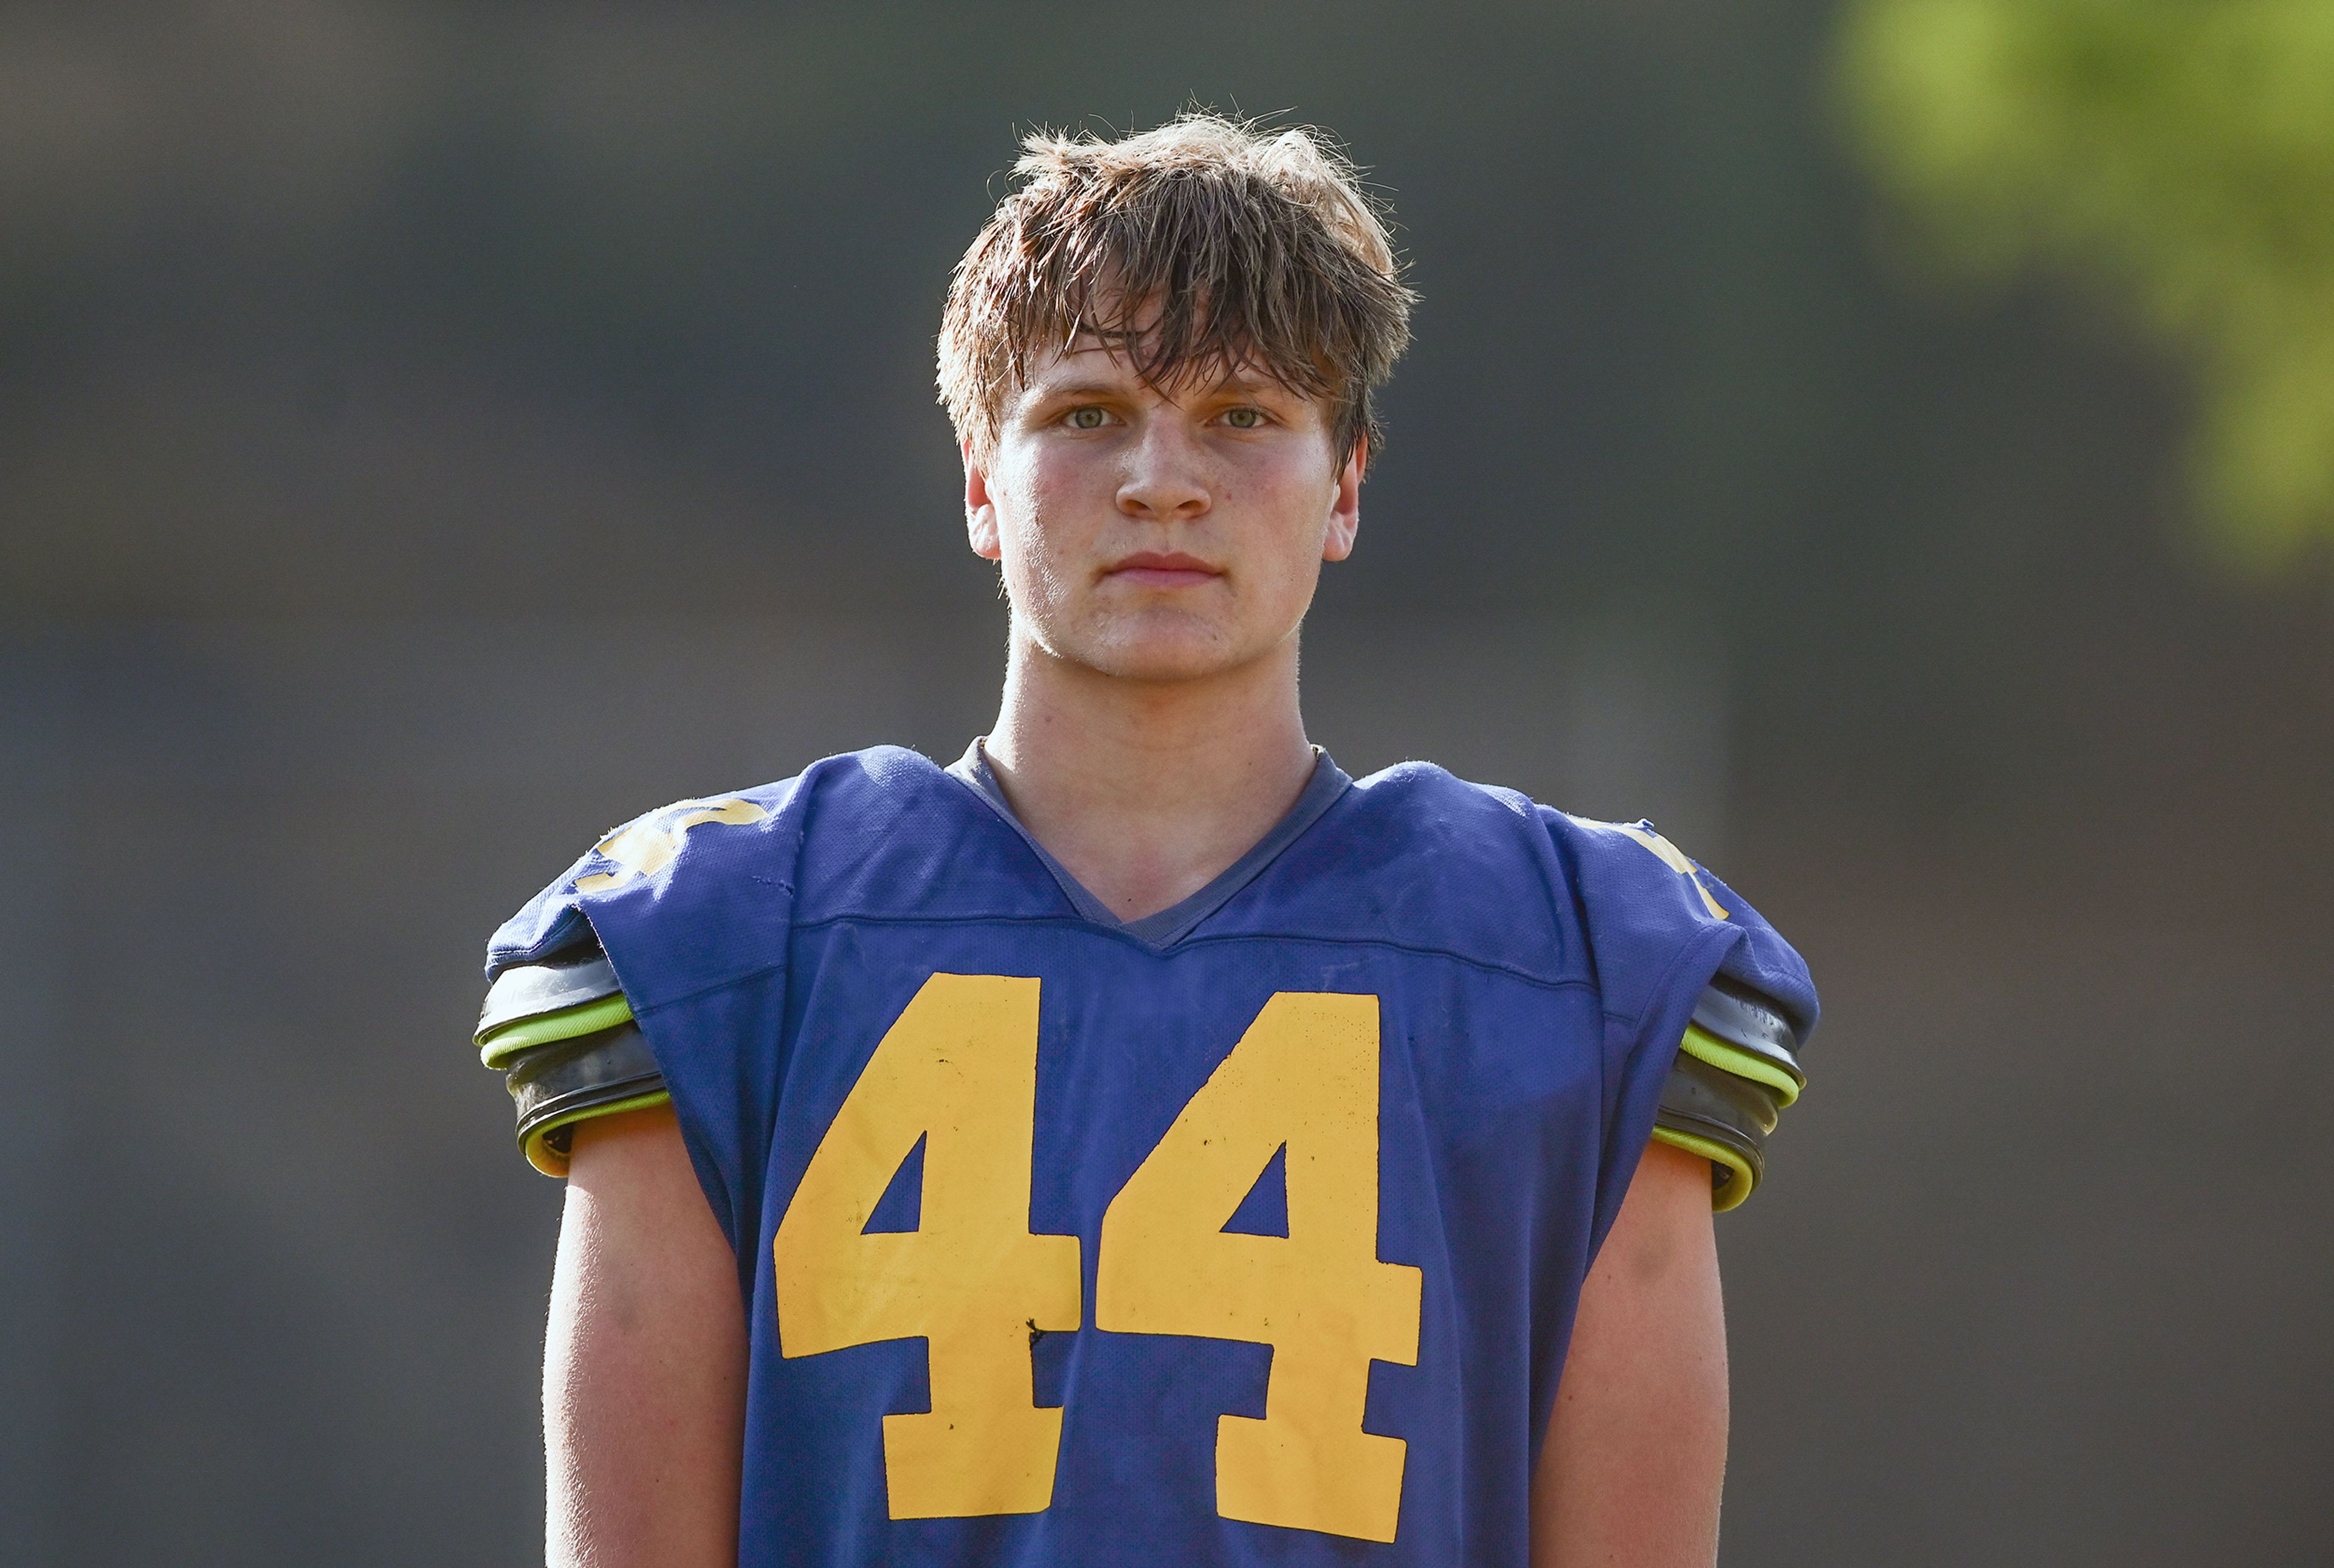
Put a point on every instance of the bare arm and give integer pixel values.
(644, 1371)
(1636, 1448)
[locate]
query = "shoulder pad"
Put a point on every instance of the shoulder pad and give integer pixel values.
(557, 1085)
(536, 990)
(1736, 1070)
(1737, 1015)
(562, 1034)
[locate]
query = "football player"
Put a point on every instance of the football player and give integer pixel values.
(1139, 1141)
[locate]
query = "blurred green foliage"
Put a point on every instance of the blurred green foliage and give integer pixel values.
(2181, 152)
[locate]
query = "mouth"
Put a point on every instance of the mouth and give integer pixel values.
(1152, 569)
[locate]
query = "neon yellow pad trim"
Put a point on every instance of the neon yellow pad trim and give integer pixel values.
(1728, 1057)
(584, 1018)
(1739, 1180)
(550, 1162)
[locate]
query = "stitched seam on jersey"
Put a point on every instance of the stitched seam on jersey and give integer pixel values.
(1486, 966)
(1074, 922)
(1489, 965)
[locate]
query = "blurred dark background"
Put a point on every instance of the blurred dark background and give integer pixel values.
(431, 435)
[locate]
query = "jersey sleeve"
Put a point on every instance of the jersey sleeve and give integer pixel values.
(652, 970)
(1707, 1007)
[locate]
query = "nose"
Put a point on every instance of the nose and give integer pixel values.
(1166, 477)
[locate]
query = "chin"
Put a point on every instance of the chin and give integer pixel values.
(1168, 671)
(1174, 649)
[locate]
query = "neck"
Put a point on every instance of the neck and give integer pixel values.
(1147, 791)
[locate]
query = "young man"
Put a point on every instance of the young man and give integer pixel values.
(1140, 1142)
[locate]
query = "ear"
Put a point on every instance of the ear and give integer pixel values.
(1346, 505)
(980, 507)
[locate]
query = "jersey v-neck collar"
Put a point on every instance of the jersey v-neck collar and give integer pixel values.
(1174, 923)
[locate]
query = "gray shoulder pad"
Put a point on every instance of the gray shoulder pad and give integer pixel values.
(1709, 1112)
(556, 1086)
(1740, 1017)
(531, 990)
(563, 1036)
(1735, 1071)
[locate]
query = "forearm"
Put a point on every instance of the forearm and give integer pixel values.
(1636, 1455)
(643, 1391)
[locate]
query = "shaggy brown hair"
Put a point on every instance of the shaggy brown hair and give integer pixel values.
(1202, 246)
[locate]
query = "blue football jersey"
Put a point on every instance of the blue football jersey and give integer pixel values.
(1248, 1234)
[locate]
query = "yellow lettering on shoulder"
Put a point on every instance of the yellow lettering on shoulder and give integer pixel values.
(1669, 855)
(643, 849)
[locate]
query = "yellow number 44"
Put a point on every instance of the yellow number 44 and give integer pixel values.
(959, 1070)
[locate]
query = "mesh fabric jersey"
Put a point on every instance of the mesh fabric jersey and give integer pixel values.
(1250, 1236)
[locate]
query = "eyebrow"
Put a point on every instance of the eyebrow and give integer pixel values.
(1077, 390)
(1241, 386)
(1246, 385)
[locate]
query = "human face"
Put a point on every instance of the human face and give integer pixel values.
(1160, 538)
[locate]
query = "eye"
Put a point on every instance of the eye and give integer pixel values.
(1245, 419)
(1089, 418)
